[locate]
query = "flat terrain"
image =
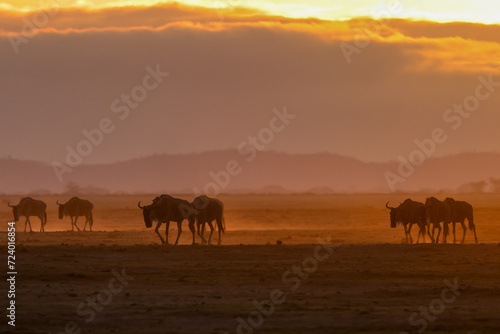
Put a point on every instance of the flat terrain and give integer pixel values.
(118, 279)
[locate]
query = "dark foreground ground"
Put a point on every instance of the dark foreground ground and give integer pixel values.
(146, 288)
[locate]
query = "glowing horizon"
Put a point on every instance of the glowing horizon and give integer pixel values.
(481, 11)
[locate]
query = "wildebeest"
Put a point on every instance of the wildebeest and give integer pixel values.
(28, 207)
(408, 213)
(460, 211)
(437, 211)
(75, 208)
(207, 210)
(165, 209)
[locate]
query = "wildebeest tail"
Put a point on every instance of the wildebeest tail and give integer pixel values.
(471, 220)
(44, 218)
(91, 219)
(223, 225)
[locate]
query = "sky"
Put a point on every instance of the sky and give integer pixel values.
(480, 11)
(365, 79)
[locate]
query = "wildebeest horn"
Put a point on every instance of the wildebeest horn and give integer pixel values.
(57, 202)
(139, 205)
(10, 205)
(388, 207)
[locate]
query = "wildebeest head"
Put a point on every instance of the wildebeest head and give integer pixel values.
(61, 209)
(15, 211)
(147, 211)
(394, 215)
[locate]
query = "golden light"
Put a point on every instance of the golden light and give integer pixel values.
(479, 11)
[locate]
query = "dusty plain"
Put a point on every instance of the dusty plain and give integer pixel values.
(119, 279)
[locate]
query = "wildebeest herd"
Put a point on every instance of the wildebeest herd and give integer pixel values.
(75, 207)
(164, 209)
(205, 210)
(433, 212)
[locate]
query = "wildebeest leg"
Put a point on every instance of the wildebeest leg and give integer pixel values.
(211, 232)
(219, 223)
(158, 232)
(198, 230)
(167, 227)
(205, 241)
(179, 230)
(446, 230)
(439, 232)
(464, 229)
(474, 229)
(409, 233)
(76, 219)
(25, 224)
(421, 231)
(191, 227)
(201, 232)
(454, 238)
(406, 232)
(42, 229)
(29, 223)
(86, 221)
(429, 231)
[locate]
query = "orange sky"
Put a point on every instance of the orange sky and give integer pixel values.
(478, 44)
(364, 88)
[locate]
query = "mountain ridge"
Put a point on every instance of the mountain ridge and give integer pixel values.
(228, 171)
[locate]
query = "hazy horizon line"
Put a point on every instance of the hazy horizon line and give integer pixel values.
(395, 160)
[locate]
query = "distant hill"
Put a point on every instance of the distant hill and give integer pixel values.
(269, 172)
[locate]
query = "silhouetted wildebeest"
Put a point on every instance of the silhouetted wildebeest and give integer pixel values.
(207, 210)
(460, 211)
(437, 211)
(165, 209)
(28, 207)
(75, 208)
(408, 213)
